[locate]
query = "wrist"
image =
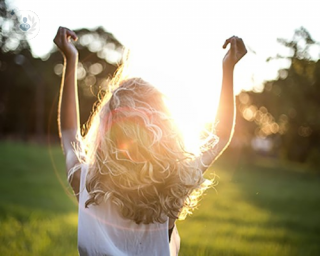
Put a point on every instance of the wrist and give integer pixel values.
(228, 66)
(72, 58)
(227, 69)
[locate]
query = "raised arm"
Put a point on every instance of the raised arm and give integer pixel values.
(68, 110)
(225, 117)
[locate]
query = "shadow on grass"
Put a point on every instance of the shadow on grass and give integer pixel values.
(291, 200)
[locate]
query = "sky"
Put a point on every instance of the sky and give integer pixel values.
(186, 38)
(185, 34)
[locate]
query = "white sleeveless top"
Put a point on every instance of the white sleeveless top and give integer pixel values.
(103, 231)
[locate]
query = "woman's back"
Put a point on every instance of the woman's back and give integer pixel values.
(102, 230)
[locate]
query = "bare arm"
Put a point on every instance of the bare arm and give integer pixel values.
(68, 110)
(226, 109)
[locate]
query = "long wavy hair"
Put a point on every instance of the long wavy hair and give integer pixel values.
(136, 156)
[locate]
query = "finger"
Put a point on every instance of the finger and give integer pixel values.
(61, 31)
(227, 42)
(233, 44)
(241, 46)
(240, 43)
(71, 34)
(66, 33)
(57, 40)
(58, 34)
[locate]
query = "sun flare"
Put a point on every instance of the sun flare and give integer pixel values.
(191, 98)
(191, 119)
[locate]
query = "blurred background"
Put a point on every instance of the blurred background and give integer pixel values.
(267, 201)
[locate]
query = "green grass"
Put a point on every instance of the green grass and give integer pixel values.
(257, 210)
(37, 215)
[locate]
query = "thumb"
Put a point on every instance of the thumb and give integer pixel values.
(72, 35)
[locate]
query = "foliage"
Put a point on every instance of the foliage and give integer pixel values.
(288, 108)
(10, 39)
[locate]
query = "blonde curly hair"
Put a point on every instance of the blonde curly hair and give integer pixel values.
(136, 156)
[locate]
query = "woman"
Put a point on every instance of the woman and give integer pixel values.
(131, 173)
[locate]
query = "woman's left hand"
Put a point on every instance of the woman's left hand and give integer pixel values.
(235, 53)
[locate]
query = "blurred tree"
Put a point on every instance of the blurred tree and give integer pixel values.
(13, 118)
(10, 38)
(288, 109)
(30, 86)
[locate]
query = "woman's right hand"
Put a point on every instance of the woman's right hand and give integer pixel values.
(63, 41)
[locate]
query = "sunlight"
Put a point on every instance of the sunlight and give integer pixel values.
(192, 100)
(187, 122)
(192, 111)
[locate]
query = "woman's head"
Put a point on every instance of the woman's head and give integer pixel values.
(137, 158)
(140, 124)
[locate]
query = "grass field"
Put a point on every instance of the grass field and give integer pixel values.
(256, 210)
